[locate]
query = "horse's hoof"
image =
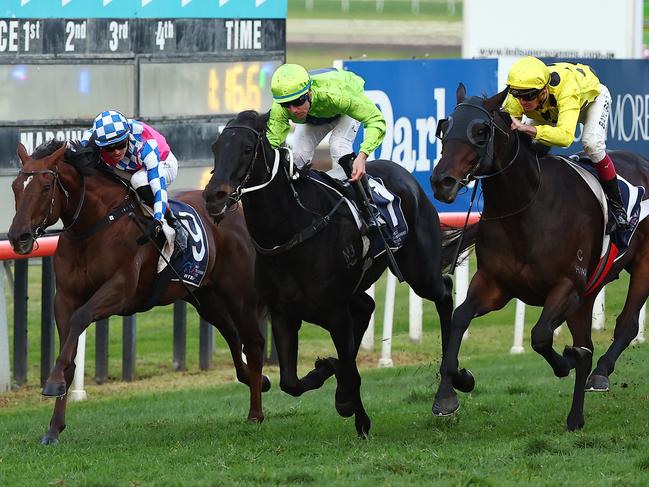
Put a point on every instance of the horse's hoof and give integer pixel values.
(575, 424)
(446, 406)
(597, 383)
(345, 409)
(48, 440)
(54, 389)
(363, 425)
(464, 381)
(256, 419)
(265, 383)
(577, 354)
(326, 366)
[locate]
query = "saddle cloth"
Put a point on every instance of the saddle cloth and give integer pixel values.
(637, 209)
(388, 204)
(192, 263)
(614, 246)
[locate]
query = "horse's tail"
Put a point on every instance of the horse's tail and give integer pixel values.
(452, 237)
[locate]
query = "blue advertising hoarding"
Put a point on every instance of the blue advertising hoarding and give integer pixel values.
(69, 9)
(413, 95)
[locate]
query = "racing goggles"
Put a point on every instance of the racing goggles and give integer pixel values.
(298, 102)
(525, 94)
(116, 146)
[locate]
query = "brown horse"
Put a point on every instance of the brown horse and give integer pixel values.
(539, 240)
(101, 271)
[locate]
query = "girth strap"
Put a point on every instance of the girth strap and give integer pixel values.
(109, 219)
(304, 235)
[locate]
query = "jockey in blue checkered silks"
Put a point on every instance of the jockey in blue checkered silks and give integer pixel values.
(143, 156)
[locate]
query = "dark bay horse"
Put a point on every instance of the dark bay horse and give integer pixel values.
(101, 271)
(539, 240)
(309, 261)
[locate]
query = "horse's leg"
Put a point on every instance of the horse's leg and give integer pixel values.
(343, 327)
(237, 325)
(484, 295)
(562, 301)
(109, 299)
(581, 353)
(285, 334)
(626, 328)
(361, 309)
(428, 282)
(62, 310)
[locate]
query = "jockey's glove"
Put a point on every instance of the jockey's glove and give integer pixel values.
(150, 232)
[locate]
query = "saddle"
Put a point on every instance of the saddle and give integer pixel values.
(615, 245)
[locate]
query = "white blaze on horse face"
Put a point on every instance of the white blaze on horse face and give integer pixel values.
(27, 181)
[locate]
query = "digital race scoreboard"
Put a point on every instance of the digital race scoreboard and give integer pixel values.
(183, 66)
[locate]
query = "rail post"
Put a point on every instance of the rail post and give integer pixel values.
(205, 344)
(101, 351)
(47, 318)
(5, 372)
(180, 335)
(128, 348)
(20, 322)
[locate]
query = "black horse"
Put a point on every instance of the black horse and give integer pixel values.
(312, 267)
(539, 240)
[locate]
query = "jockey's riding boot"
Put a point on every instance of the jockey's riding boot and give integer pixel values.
(181, 232)
(371, 213)
(146, 195)
(618, 219)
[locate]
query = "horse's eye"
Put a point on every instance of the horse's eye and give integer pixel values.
(46, 188)
(248, 150)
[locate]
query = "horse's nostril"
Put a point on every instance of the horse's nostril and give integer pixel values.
(220, 195)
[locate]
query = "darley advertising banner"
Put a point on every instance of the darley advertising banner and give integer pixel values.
(414, 96)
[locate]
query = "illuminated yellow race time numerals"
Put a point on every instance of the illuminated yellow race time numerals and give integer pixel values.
(240, 90)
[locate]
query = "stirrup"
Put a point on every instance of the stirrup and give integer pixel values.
(181, 236)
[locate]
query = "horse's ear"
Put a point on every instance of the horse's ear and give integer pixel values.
(22, 154)
(496, 101)
(460, 93)
(263, 119)
(57, 155)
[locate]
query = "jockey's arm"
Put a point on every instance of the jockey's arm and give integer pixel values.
(150, 157)
(563, 133)
(278, 126)
(361, 108)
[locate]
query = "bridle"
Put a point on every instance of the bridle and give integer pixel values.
(317, 224)
(485, 150)
(56, 181)
(241, 189)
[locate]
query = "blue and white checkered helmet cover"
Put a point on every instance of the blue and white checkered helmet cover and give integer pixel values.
(110, 127)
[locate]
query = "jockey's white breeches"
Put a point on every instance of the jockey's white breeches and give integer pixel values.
(307, 137)
(167, 169)
(595, 120)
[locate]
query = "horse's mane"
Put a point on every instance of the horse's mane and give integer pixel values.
(526, 139)
(83, 158)
(251, 118)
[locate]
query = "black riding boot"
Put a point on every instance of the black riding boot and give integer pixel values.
(370, 213)
(618, 219)
(146, 195)
(181, 233)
